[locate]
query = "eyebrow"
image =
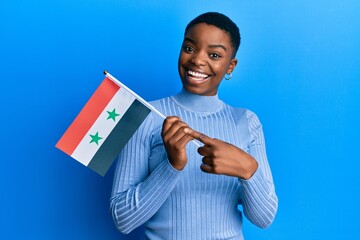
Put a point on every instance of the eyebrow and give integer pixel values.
(210, 46)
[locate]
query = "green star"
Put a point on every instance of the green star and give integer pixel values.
(95, 138)
(112, 115)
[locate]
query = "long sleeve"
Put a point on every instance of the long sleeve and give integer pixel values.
(138, 194)
(191, 204)
(259, 199)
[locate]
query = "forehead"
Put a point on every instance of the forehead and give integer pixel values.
(210, 34)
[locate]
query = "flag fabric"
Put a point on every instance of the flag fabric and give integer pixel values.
(104, 126)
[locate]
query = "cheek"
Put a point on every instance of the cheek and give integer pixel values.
(180, 61)
(220, 67)
(182, 58)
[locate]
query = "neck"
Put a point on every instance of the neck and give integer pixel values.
(198, 103)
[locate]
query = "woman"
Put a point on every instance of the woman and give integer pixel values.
(178, 190)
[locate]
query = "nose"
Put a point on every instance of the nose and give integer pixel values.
(199, 58)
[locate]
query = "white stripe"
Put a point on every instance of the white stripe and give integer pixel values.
(85, 151)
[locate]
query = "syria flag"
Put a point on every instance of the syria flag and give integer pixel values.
(104, 125)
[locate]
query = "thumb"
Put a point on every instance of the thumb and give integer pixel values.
(199, 136)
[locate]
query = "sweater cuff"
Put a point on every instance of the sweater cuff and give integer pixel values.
(162, 179)
(165, 171)
(171, 166)
(256, 182)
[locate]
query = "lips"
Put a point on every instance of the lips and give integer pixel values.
(196, 77)
(197, 74)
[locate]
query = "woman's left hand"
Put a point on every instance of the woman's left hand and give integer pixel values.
(220, 157)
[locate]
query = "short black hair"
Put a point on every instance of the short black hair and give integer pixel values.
(221, 21)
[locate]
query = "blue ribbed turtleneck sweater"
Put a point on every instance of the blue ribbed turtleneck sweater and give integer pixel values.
(191, 204)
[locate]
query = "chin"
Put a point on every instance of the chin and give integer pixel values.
(192, 89)
(198, 90)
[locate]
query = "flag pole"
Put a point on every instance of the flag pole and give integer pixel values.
(139, 98)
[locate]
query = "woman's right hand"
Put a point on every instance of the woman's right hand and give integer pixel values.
(175, 140)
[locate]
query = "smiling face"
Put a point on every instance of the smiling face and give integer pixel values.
(206, 55)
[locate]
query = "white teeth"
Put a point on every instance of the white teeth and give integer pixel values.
(197, 74)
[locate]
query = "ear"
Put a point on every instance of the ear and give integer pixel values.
(232, 65)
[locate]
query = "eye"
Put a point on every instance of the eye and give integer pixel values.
(188, 49)
(214, 55)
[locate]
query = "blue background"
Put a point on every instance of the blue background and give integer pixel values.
(299, 70)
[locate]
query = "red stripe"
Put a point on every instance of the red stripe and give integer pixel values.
(88, 115)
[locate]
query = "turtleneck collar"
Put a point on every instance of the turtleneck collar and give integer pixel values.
(198, 103)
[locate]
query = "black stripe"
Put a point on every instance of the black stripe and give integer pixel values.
(118, 137)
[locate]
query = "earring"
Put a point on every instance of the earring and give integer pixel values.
(229, 75)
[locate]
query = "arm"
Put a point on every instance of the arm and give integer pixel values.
(137, 195)
(259, 198)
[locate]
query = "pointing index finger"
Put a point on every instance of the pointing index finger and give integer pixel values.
(199, 136)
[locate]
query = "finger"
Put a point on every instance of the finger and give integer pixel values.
(176, 133)
(205, 151)
(184, 140)
(206, 168)
(199, 136)
(176, 125)
(168, 122)
(207, 161)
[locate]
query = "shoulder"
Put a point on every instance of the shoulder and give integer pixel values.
(152, 122)
(160, 103)
(241, 113)
(166, 106)
(251, 116)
